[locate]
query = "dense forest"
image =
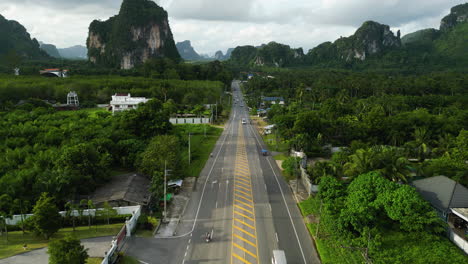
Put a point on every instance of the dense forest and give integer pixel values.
(376, 118)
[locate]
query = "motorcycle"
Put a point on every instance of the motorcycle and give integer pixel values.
(208, 237)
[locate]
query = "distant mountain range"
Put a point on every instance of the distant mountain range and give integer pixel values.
(373, 45)
(15, 39)
(187, 52)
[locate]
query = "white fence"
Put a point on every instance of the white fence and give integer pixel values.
(120, 211)
(191, 120)
(459, 241)
(118, 242)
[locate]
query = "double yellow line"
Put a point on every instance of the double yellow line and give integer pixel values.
(244, 247)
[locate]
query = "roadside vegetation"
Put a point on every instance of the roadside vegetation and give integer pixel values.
(367, 136)
(374, 219)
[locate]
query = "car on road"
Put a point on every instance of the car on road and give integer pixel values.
(244, 121)
(278, 257)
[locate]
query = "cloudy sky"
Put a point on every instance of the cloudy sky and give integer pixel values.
(214, 25)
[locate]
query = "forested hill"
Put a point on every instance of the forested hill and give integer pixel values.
(373, 46)
(186, 51)
(139, 32)
(16, 41)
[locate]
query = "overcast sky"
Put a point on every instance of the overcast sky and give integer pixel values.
(214, 25)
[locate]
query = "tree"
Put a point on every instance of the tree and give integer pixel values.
(406, 206)
(107, 212)
(5, 210)
(360, 162)
(70, 212)
(161, 148)
(68, 250)
(46, 219)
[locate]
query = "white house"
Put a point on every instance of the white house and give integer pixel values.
(122, 102)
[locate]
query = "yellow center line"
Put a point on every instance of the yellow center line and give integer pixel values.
(243, 180)
(242, 208)
(244, 223)
(245, 240)
(243, 231)
(240, 196)
(243, 183)
(245, 250)
(246, 204)
(241, 214)
(242, 187)
(244, 193)
(240, 258)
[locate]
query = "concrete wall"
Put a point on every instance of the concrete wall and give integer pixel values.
(128, 228)
(459, 241)
(191, 120)
(120, 211)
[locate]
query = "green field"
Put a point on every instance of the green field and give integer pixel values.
(16, 239)
(200, 147)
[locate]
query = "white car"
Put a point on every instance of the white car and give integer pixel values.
(243, 121)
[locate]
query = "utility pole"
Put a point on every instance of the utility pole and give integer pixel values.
(165, 191)
(297, 175)
(216, 117)
(189, 148)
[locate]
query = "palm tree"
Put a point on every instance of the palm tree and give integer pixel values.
(393, 166)
(361, 161)
(421, 142)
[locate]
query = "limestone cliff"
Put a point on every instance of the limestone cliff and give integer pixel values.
(458, 14)
(186, 51)
(139, 32)
(14, 38)
(371, 38)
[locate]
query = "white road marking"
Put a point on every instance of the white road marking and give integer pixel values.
(216, 205)
(284, 199)
(269, 205)
(141, 261)
(276, 234)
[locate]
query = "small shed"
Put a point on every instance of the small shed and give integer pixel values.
(124, 190)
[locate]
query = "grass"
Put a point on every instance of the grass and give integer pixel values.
(280, 157)
(94, 260)
(200, 147)
(330, 253)
(270, 140)
(310, 206)
(328, 250)
(16, 240)
(128, 260)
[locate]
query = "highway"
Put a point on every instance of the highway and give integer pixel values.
(243, 201)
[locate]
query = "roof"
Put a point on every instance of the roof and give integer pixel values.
(122, 94)
(442, 192)
(130, 187)
(175, 183)
(461, 212)
(272, 99)
(269, 127)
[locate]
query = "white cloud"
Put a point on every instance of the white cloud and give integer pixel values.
(220, 24)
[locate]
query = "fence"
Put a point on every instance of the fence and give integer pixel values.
(458, 240)
(197, 120)
(119, 241)
(310, 188)
(15, 219)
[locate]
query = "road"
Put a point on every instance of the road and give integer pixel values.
(242, 200)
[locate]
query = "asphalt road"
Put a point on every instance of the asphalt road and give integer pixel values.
(242, 200)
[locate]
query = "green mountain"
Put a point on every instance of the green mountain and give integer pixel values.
(371, 39)
(186, 51)
(374, 46)
(272, 54)
(14, 39)
(50, 49)
(74, 52)
(139, 32)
